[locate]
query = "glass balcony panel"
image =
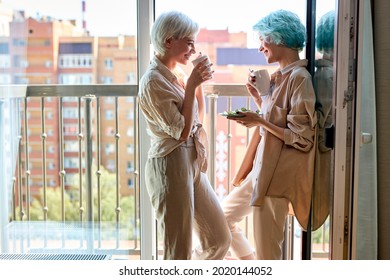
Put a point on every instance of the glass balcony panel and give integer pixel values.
(64, 196)
(41, 43)
(88, 54)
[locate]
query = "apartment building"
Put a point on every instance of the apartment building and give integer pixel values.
(50, 51)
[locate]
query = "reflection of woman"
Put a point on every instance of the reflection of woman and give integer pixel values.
(173, 107)
(277, 169)
(323, 85)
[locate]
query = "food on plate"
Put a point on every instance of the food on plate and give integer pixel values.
(236, 113)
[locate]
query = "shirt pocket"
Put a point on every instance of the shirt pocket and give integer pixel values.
(278, 116)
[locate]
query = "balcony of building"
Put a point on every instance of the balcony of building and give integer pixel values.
(72, 169)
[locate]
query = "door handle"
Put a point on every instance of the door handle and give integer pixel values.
(365, 138)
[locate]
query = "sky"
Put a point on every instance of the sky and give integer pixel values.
(114, 17)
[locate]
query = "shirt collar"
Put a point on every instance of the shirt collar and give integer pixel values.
(277, 77)
(323, 63)
(299, 63)
(157, 64)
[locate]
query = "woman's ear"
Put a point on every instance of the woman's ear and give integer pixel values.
(168, 42)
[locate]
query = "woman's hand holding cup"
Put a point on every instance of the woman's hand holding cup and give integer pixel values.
(260, 80)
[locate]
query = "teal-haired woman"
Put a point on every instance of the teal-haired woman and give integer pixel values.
(276, 175)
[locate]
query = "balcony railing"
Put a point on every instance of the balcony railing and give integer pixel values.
(57, 133)
(79, 147)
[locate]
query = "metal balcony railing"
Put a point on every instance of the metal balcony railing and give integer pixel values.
(76, 143)
(56, 133)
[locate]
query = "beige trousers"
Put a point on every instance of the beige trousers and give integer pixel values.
(268, 222)
(184, 202)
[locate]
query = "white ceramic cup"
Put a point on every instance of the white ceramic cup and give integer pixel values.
(260, 79)
(200, 58)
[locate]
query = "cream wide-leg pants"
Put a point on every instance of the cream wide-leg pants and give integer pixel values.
(185, 201)
(268, 222)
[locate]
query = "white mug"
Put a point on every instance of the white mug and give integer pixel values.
(200, 58)
(260, 80)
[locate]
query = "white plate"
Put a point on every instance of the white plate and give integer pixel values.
(232, 115)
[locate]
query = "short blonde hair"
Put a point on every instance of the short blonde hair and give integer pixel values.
(172, 24)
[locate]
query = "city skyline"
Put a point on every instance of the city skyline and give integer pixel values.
(122, 21)
(76, 60)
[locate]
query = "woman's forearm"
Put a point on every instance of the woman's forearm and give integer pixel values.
(188, 112)
(274, 129)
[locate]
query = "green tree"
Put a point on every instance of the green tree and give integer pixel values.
(127, 219)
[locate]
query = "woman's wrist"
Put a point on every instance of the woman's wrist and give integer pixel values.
(236, 183)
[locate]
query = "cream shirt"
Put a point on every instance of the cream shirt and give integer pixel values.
(286, 169)
(161, 96)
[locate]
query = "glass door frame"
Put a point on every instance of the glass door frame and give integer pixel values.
(342, 90)
(145, 19)
(345, 114)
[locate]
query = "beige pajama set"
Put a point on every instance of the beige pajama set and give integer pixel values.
(282, 172)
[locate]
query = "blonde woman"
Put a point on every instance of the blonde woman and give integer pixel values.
(173, 106)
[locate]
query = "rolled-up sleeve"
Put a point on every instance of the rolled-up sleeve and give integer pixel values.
(161, 106)
(301, 119)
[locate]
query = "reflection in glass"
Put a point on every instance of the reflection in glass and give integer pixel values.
(323, 85)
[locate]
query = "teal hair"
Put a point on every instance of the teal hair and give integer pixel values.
(325, 32)
(282, 27)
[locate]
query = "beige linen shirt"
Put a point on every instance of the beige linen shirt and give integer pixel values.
(286, 169)
(161, 96)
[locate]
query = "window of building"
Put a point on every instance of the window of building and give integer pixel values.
(130, 167)
(110, 165)
(71, 162)
(130, 148)
(71, 129)
(5, 61)
(130, 132)
(75, 79)
(70, 113)
(131, 78)
(110, 131)
(106, 80)
(110, 148)
(71, 146)
(19, 42)
(109, 100)
(109, 115)
(20, 61)
(130, 183)
(130, 114)
(75, 61)
(108, 63)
